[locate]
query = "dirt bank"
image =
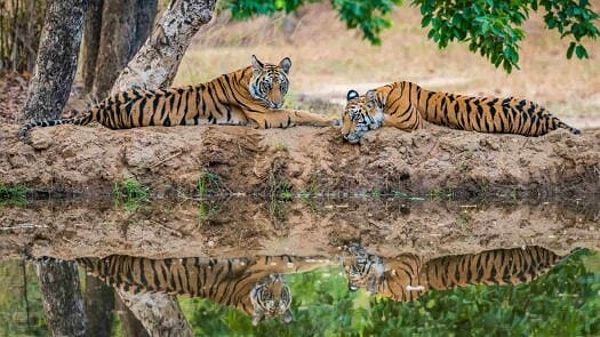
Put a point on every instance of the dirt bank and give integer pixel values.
(302, 159)
(246, 226)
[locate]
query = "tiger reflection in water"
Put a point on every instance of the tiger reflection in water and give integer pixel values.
(408, 276)
(255, 286)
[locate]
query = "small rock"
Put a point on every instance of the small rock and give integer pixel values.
(41, 141)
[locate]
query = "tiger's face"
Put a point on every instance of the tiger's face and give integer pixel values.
(271, 297)
(363, 270)
(361, 114)
(269, 83)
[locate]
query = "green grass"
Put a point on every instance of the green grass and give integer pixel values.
(130, 193)
(13, 194)
(209, 183)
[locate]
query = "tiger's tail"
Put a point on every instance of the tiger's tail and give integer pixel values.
(83, 120)
(563, 125)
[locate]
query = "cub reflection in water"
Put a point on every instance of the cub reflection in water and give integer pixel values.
(408, 276)
(255, 286)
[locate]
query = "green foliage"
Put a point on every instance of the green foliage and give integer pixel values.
(130, 193)
(490, 27)
(13, 194)
(21, 311)
(209, 183)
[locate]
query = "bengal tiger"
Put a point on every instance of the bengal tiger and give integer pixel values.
(405, 105)
(255, 286)
(252, 96)
(408, 276)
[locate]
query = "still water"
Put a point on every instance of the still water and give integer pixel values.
(356, 268)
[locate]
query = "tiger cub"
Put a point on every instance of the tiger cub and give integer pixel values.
(408, 276)
(405, 105)
(252, 96)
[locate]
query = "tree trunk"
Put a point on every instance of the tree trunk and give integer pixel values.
(99, 303)
(146, 12)
(156, 64)
(116, 43)
(91, 42)
(63, 305)
(56, 60)
(159, 313)
(131, 326)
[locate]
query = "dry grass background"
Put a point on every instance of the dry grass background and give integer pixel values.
(329, 59)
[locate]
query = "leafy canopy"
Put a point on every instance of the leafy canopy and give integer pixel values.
(490, 27)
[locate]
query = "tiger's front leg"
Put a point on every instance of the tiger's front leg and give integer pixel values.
(286, 118)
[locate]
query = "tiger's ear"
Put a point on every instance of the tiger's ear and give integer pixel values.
(286, 64)
(257, 66)
(352, 94)
(287, 317)
(372, 98)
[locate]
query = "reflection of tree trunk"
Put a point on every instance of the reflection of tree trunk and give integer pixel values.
(63, 305)
(131, 325)
(56, 60)
(91, 42)
(159, 313)
(99, 303)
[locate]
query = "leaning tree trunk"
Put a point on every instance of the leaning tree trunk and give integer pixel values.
(91, 43)
(63, 305)
(99, 304)
(56, 60)
(160, 314)
(131, 326)
(155, 66)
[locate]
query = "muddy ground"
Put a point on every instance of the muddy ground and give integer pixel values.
(245, 226)
(303, 159)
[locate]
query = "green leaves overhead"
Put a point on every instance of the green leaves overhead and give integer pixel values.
(492, 28)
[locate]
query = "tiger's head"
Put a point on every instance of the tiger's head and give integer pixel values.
(362, 269)
(361, 114)
(271, 297)
(269, 83)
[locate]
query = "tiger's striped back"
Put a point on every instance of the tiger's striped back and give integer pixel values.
(494, 267)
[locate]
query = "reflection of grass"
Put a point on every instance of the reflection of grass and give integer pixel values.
(209, 183)
(440, 194)
(130, 193)
(13, 194)
(207, 210)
